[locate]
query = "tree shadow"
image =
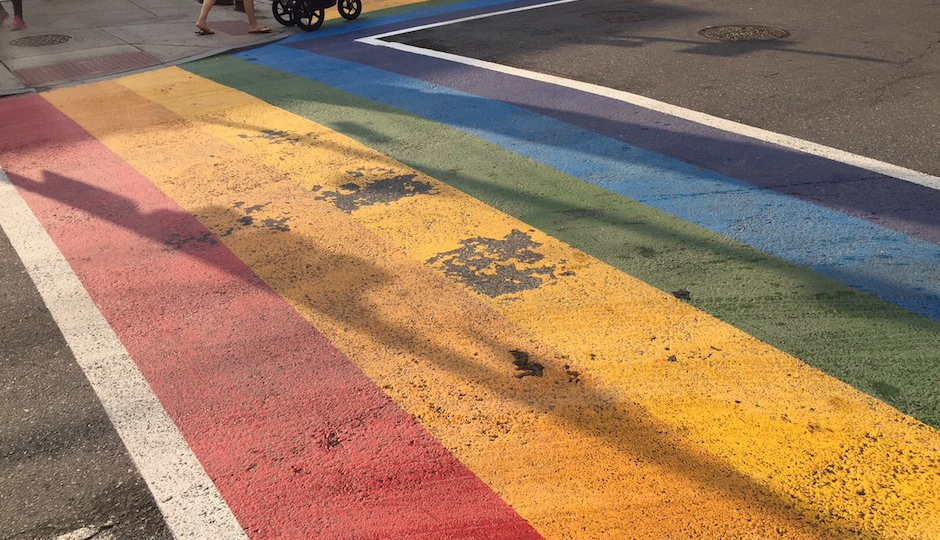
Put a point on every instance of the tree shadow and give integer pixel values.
(324, 288)
(621, 424)
(877, 198)
(173, 229)
(631, 241)
(747, 163)
(903, 206)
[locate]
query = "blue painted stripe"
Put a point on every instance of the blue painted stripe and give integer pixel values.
(418, 14)
(898, 268)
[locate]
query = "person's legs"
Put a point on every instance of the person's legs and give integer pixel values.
(18, 23)
(201, 23)
(253, 25)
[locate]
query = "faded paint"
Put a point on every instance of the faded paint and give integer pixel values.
(563, 454)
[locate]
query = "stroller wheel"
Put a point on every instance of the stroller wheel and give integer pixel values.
(283, 11)
(308, 15)
(349, 9)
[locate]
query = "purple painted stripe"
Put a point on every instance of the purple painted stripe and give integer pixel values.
(889, 202)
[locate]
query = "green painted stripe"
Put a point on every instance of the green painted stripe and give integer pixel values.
(876, 347)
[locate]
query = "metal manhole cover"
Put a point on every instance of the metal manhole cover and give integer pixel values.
(40, 41)
(618, 16)
(743, 32)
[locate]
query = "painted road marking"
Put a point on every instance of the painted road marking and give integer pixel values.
(276, 222)
(566, 456)
(377, 38)
(187, 498)
(875, 346)
(777, 224)
(794, 143)
(298, 441)
(372, 8)
(902, 206)
(718, 395)
(373, 18)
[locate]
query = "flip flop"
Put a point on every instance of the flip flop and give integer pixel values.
(201, 32)
(262, 30)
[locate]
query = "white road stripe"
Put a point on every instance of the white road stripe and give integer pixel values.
(807, 147)
(191, 505)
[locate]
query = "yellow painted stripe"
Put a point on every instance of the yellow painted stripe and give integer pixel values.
(372, 5)
(589, 455)
(571, 458)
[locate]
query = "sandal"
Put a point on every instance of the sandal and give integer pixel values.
(201, 32)
(260, 30)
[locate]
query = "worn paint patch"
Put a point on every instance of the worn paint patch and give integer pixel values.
(248, 220)
(496, 267)
(300, 443)
(178, 241)
(277, 136)
(600, 323)
(364, 192)
(525, 366)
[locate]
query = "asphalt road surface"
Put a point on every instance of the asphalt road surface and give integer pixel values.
(569, 271)
(857, 76)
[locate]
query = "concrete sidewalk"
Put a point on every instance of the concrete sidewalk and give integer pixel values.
(69, 42)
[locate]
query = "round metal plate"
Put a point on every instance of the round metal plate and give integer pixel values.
(40, 41)
(743, 32)
(618, 16)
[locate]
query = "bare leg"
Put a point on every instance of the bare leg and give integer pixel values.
(203, 14)
(250, 11)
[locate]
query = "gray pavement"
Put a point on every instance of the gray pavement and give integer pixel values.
(64, 472)
(73, 42)
(856, 75)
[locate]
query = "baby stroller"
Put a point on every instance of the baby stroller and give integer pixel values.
(309, 14)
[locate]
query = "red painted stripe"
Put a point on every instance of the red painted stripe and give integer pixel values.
(299, 442)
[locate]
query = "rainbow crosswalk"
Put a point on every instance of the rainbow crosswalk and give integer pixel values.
(371, 323)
